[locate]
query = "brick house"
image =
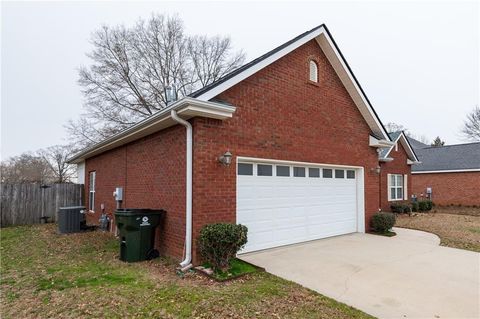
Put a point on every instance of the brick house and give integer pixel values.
(449, 175)
(304, 142)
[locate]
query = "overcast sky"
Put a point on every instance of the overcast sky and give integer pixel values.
(417, 62)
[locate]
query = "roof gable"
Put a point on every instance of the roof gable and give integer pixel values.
(402, 138)
(324, 39)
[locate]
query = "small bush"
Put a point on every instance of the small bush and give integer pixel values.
(219, 243)
(400, 208)
(414, 206)
(383, 222)
(425, 205)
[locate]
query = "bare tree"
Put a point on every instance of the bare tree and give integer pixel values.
(471, 127)
(56, 157)
(393, 127)
(212, 58)
(26, 168)
(437, 142)
(132, 66)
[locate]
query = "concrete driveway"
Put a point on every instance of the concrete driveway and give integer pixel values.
(406, 276)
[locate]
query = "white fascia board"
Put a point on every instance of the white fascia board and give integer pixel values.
(410, 162)
(403, 139)
(257, 67)
(375, 142)
(406, 145)
(187, 108)
(386, 159)
(448, 171)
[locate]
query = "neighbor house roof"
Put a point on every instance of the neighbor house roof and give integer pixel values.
(402, 138)
(416, 144)
(205, 95)
(449, 158)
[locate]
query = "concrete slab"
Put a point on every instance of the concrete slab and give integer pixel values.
(406, 276)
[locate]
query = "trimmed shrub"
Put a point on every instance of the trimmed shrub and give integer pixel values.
(219, 243)
(425, 205)
(414, 206)
(400, 208)
(383, 222)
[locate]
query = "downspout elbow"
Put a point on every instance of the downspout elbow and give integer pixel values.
(186, 263)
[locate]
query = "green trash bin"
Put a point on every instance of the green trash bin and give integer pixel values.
(137, 232)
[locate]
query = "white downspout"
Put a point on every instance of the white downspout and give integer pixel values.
(187, 262)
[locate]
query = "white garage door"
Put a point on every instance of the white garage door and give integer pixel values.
(284, 204)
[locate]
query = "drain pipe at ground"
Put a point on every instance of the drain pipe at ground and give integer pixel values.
(187, 262)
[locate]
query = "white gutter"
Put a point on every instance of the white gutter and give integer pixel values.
(186, 107)
(448, 171)
(187, 262)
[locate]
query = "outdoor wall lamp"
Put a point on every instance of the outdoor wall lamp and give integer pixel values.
(226, 158)
(376, 170)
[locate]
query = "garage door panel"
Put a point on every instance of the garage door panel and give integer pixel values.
(286, 210)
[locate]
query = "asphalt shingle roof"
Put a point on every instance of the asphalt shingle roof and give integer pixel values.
(449, 157)
(416, 144)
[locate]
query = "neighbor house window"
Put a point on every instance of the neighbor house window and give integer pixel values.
(395, 187)
(91, 190)
(313, 75)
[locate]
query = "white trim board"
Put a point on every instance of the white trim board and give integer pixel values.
(244, 159)
(406, 145)
(448, 171)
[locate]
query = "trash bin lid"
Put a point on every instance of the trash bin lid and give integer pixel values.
(138, 211)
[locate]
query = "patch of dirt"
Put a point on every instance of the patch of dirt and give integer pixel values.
(457, 210)
(455, 228)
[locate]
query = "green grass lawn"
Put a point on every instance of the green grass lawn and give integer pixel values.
(44, 274)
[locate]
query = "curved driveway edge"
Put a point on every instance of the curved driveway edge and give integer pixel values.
(406, 276)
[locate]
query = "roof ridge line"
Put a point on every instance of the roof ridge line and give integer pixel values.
(451, 145)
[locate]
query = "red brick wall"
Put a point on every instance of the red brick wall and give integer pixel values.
(449, 188)
(281, 116)
(397, 166)
(152, 173)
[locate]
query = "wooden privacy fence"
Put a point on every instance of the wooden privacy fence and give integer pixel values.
(24, 204)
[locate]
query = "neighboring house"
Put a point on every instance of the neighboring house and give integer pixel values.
(395, 173)
(303, 138)
(449, 175)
